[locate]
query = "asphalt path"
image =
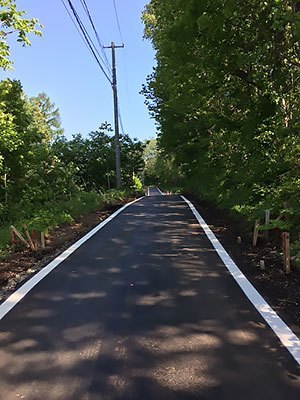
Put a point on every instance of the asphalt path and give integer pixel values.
(144, 310)
(153, 191)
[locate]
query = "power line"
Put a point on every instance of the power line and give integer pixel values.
(85, 36)
(118, 21)
(87, 11)
(88, 39)
(74, 22)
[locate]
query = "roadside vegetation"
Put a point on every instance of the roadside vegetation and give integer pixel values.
(225, 93)
(46, 179)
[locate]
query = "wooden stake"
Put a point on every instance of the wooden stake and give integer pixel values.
(255, 232)
(19, 235)
(267, 221)
(12, 237)
(46, 233)
(286, 251)
(32, 246)
(43, 240)
(34, 239)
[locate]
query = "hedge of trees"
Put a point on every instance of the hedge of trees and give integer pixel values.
(225, 93)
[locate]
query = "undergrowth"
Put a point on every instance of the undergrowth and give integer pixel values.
(53, 214)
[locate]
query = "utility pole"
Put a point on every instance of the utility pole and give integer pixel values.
(116, 112)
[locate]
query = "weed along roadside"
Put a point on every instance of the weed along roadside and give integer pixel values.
(26, 256)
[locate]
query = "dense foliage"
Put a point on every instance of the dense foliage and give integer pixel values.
(31, 173)
(93, 158)
(158, 169)
(226, 94)
(47, 179)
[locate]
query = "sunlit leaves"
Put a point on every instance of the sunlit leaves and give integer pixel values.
(13, 22)
(226, 94)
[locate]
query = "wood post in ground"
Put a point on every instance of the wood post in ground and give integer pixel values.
(12, 237)
(32, 246)
(255, 232)
(34, 239)
(267, 221)
(286, 251)
(19, 236)
(43, 240)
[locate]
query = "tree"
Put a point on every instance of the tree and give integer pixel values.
(47, 116)
(12, 21)
(150, 158)
(225, 95)
(94, 158)
(30, 171)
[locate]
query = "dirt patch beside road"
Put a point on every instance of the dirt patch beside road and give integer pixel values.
(281, 290)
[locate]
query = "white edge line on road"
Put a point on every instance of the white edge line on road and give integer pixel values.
(160, 191)
(18, 295)
(284, 333)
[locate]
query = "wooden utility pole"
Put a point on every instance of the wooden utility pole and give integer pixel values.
(116, 112)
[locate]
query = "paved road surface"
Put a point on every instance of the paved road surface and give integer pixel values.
(153, 191)
(144, 310)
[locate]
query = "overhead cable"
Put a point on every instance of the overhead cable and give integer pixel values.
(87, 11)
(86, 37)
(89, 40)
(74, 22)
(118, 21)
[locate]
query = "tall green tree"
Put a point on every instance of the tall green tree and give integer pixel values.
(30, 171)
(47, 116)
(226, 96)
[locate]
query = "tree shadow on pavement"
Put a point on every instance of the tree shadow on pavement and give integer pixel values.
(144, 310)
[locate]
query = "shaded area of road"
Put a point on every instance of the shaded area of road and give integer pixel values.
(143, 310)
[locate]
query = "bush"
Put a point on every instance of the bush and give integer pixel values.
(54, 214)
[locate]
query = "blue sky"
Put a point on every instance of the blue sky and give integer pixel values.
(60, 65)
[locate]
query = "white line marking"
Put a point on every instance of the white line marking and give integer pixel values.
(160, 191)
(284, 333)
(18, 295)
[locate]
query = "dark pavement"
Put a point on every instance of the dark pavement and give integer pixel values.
(153, 191)
(144, 310)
